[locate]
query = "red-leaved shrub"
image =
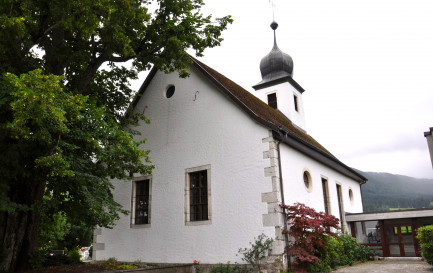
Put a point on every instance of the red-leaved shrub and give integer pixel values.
(307, 229)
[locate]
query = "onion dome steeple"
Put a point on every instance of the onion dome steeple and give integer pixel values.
(276, 64)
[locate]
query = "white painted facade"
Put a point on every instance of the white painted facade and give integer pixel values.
(200, 127)
(293, 165)
(191, 130)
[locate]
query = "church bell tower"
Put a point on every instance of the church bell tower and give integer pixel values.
(278, 89)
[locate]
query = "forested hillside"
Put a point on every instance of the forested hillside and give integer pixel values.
(385, 191)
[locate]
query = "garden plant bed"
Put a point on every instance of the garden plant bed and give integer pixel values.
(87, 268)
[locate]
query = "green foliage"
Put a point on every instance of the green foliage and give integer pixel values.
(111, 260)
(37, 259)
(57, 260)
(41, 258)
(339, 251)
(425, 237)
(227, 268)
(58, 231)
(126, 266)
(64, 90)
(258, 250)
(53, 230)
(74, 254)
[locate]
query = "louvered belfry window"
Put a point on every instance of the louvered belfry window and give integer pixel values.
(142, 202)
(198, 196)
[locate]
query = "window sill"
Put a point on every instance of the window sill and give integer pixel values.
(198, 223)
(134, 226)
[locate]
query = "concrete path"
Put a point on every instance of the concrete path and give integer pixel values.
(388, 266)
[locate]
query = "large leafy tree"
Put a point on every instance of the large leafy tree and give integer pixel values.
(63, 94)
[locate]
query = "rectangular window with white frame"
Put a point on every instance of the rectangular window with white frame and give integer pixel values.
(326, 199)
(198, 196)
(141, 201)
(341, 207)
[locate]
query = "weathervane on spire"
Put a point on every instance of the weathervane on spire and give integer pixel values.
(273, 6)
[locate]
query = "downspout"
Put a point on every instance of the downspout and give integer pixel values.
(286, 237)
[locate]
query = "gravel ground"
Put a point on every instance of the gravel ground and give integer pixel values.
(388, 266)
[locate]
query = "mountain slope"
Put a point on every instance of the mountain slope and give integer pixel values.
(384, 191)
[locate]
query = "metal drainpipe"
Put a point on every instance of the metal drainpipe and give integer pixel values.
(286, 238)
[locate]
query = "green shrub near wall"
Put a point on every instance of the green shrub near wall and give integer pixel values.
(425, 237)
(344, 250)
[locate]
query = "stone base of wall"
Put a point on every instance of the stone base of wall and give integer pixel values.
(271, 264)
(274, 264)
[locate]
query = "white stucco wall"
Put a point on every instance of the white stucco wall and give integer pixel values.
(295, 163)
(188, 130)
(285, 92)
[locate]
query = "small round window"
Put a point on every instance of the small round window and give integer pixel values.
(170, 91)
(307, 181)
(351, 195)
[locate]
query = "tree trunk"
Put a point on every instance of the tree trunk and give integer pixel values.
(19, 230)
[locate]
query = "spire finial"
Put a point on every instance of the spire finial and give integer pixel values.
(273, 6)
(274, 26)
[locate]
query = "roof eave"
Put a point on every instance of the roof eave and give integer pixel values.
(429, 133)
(140, 92)
(234, 98)
(264, 84)
(317, 155)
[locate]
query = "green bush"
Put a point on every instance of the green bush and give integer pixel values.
(37, 259)
(74, 255)
(258, 250)
(56, 260)
(343, 250)
(425, 237)
(227, 268)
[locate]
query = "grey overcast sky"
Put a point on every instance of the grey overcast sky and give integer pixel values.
(366, 66)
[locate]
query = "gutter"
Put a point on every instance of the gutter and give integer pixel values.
(317, 155)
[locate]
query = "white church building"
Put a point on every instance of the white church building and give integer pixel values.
(225, 159)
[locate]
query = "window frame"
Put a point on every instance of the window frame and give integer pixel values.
(407, 231)
(135, 181)
(188, 193)
(307, 173)
(341, 210)
(325, 193)
(276, 100)
(295, 101)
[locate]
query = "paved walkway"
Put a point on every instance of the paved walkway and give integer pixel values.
(388, 266)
